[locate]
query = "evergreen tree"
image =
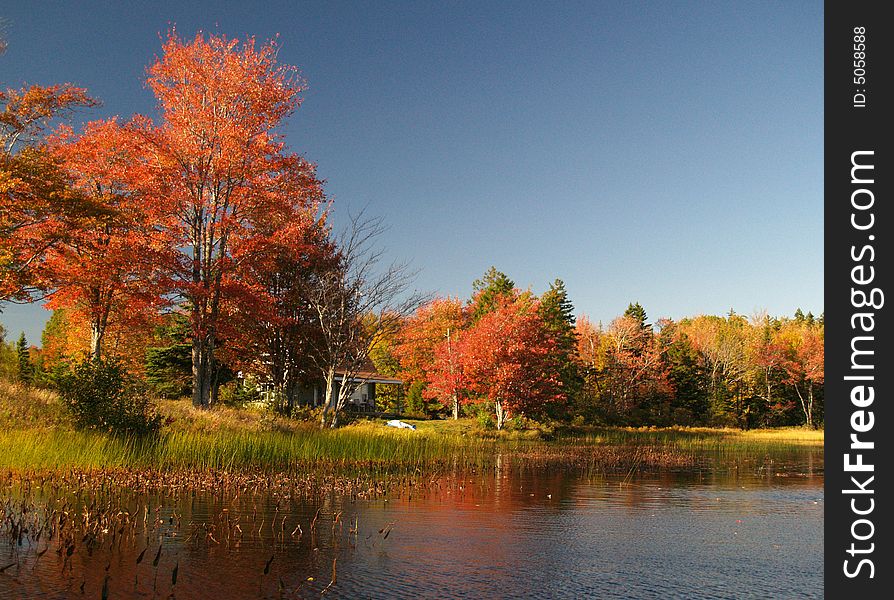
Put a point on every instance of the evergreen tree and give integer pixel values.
(688, 378)
(639, 337)
(26, 369)
(556, 309)
(557, 313)
(636, 311)
(487, 291)
(169, 366)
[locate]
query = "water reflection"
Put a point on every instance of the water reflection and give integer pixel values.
(742, 526)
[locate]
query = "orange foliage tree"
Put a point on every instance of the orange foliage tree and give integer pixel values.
(219, 170)
(35, 204)
(804, 365)
(432, 329)
(107, 267)
(270, 328)
(508, 358)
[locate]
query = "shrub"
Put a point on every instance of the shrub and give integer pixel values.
(238, 393)
(303, 412)
(519, 423)
(486, 421)
(101, 395)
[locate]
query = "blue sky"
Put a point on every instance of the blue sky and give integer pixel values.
(666, 153)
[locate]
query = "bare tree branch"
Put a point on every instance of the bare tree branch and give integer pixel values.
(358, 303)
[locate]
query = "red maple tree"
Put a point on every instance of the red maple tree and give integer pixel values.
(426, 342)
(34, 199)
(106, 266)
(220, 170)
(507, 358)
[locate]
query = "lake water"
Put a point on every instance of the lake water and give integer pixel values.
(751, 528)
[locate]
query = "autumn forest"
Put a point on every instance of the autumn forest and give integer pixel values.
(193, 255)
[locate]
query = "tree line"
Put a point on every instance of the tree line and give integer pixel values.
(512, 353)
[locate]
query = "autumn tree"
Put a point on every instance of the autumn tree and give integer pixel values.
(722, 343)
(766, 355)
(625, 374)
(804, 365)
(436, 324)
(35, 203)
(218, 169)
(508, 357)
(589, 342)
(64, 339)
(634, 372)
(271, 328)
(107, 265)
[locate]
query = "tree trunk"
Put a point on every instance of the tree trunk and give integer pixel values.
(340, 401)
(501, 414)
(810, 406)
(327, 398)
(96, 335)
(215, 384)
(806, 405)
(201, 372)
(455, 395)
(290, 397)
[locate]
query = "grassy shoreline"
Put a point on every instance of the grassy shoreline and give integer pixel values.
(36, 434)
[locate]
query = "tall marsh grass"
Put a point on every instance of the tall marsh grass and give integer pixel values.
(707, 438)
(22, 406)
(273, 451)
(37, 433)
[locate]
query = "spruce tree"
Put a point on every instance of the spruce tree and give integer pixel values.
(169, 365)
(557, 313)
(26, 369)
(487, 291)
(636, 311)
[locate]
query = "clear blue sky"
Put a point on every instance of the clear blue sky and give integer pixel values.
(665, 152)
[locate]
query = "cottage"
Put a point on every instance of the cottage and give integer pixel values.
(363, 398)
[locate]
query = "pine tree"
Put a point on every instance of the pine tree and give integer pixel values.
(169, 366)
(557, 313)
(636, 311)
(487, 291)
(26, 369)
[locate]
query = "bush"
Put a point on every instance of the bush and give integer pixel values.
(486, 421)
(101, 395)
(237, 393)
(303, 412)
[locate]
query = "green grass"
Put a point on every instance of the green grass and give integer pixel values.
(665, 436)
(273, 451)
(36, 433)
(694, 438)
